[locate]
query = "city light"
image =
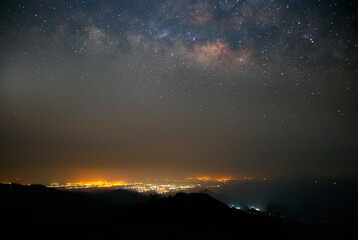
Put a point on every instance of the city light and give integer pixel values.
(254, 208)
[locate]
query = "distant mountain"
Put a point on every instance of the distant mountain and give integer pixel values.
(120, 214)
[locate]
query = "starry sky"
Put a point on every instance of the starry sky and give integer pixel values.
(111, 89)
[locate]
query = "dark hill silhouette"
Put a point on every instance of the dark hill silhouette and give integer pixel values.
(37, 201)
(36, 209)
(184, 205)
(121, 196)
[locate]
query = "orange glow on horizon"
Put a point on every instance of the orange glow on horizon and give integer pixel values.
(206, 179)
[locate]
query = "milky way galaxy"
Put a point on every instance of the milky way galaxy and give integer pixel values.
(102, 89)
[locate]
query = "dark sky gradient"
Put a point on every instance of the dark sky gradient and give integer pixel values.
(111, 89)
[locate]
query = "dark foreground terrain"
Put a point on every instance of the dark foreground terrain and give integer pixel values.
(40, 212)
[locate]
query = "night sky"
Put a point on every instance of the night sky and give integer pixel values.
(116, 89)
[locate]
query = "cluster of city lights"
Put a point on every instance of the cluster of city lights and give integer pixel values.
(155, 185)
(95, 184)
(161, 188)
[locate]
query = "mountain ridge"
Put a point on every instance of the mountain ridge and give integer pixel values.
(181, 216)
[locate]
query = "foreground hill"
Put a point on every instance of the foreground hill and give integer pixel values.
(50, 213)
